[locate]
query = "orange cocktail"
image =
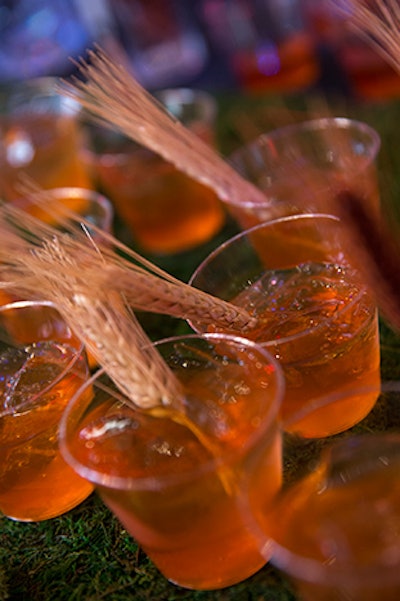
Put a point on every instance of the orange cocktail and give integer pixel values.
(41, 138)
(324, 331)
(314, 315)
(336, 531)
(174, 479)
(165, 210)
(42, 365)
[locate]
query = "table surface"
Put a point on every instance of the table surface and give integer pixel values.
(86, 554)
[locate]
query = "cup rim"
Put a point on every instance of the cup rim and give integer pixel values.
(73, 192)
(242, 234)
(148, 483)
(42, 85)
(344, 123)
(184, 95)
(265, 225)
(78, 350)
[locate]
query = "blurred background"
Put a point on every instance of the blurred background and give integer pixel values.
(258, 46)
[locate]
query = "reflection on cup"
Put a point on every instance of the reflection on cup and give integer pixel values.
(335, 531)
(42, 365)
(314, 315)
(165, 210)
(40, 137)
(301, 167)
(174, 478)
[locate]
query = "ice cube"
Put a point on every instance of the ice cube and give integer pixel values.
(27, 371)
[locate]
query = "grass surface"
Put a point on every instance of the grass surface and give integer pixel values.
(86, 554)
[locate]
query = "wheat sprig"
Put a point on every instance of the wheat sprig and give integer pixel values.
(98, 315)
(145, 286)
(111, 94)
(377, 22)
(95, 289)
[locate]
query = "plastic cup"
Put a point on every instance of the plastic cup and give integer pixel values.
(314, 315)
(42, 365)
(40, 137)
(164, 210)
(303, 166)
(335, 531)
(174, 479)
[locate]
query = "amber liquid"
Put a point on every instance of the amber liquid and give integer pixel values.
(348, 527)
(186, 515)
(35, 482)
(44, 147)
(166, 211)
(335, 345)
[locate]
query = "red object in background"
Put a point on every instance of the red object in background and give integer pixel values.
(369, 76)
(268, 43)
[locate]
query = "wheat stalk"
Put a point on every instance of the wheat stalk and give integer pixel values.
(377, 22)
(87, 287)
(98, 314)
(113, 96)
(107, 263)
(104, 322)
(95, 289)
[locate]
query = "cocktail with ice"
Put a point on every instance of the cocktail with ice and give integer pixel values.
(314, 315)
(173, 476)
(42, 365)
